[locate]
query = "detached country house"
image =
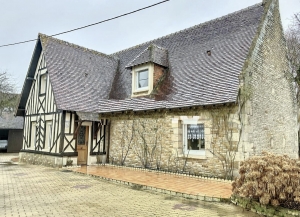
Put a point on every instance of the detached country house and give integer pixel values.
(199, 100)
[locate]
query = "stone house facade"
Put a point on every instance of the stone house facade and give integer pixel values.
(196, 101)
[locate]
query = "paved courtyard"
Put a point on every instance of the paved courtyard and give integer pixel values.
(28, 190)
(191, 187)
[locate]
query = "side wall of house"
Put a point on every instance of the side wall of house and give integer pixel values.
(156, 140)
(49, 136)
(42, 124)
(267, 98)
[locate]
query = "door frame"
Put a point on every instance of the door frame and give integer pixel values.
(89, 125)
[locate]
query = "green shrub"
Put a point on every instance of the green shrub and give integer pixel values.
(270, 179)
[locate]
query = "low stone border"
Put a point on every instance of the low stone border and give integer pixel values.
(70, 167)
(265, 210)
(166, 172)
(159, 190)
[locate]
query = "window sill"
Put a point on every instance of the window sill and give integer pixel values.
(193, 156)
(141, 90)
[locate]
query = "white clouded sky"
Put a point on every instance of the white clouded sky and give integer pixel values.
(23, 20)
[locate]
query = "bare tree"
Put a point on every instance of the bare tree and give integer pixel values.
(7, 97)
(127, 135)
(148, 142)
(223, 146)
(292, 36)
(180, 158)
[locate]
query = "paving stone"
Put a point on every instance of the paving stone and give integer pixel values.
(171, 183)
(50, 192)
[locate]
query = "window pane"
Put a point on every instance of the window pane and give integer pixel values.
(48, 134)
(143, 83)
(143, 75)
(33, 134)
(142, 79)
(193, 144)
(195, 136)
(81, 135)
(43, 80)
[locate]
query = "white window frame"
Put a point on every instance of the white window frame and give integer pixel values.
(137, 88)
(48, 136)
(201, 152)
(33, 134)
(43, 83)
(145, 90)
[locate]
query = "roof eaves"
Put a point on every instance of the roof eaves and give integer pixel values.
(28, 83)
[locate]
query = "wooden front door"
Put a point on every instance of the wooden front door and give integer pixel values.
(82, 145)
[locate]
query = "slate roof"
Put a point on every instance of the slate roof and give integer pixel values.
(92, 82)
(79, 76)
(8, 121)
(194, 77)
(153, 54)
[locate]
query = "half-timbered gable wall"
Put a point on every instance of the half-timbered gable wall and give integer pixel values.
(42, 127)
(51, 135)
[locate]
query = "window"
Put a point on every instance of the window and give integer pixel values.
(33, 134)
(43, 81)
(194, 139)
(142, 79)
(48, 134)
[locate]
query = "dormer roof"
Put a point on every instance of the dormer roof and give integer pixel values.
(153, 54)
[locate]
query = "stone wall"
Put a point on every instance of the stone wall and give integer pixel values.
(264, 119)
(267, 96)
(155, 140)
(45, 160)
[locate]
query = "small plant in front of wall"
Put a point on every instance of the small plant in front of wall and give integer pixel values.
(69, 162)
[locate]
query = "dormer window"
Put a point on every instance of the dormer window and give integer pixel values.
(142, 79)
(147, 70)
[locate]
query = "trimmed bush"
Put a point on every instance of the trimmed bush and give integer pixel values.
(270, 179)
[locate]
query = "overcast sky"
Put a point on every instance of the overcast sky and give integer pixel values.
(23, 20)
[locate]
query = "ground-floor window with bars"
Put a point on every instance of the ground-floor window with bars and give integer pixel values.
(194, 139)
